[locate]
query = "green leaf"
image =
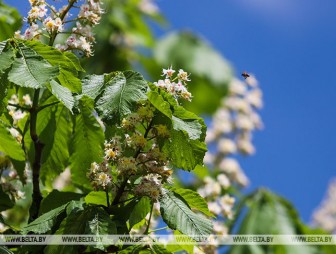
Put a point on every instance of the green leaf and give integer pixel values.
(56, 199)
(67, 63)
(10, 21)
(30, 69)
(6, 56)
(5, 201)
(140, 211)
(134, 249)
(97, 198)
(45, 222)
(189, 123)
(181, 241)
(75, 61)
(186, 144)
(3, 91)
(92, 85)
(270, 214)
(4, 250)
(121, 215)
(87, 143)
(99, 223)
(56, 136)
(9, 145)
(176, 213)
(160, 249)
(90, 220)
(121, 93)
(193, 199)
(63, 94)
(184, 153)
(159, 102)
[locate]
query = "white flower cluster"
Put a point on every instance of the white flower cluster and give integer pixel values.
(325, 215)
(150, 186)
(135, 154)
(14, 105)
(99, 175)
(81, 36)
(231, 133)
(220, 205)
(232, 128)
(9, 180)
(176, 86)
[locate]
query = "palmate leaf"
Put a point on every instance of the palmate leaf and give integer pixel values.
(92, 85)
(9, 145)
(3, 92)
(159, 102)
(4, 250)
(193, 199)
(121, 92)
(97, 198)
(91, 220)
(87, 143)
(184, 153)
(178, 215)
(68, 66)
(99, 222)
(186, 144)
(63, 94)
(56, 199)
(139, 212)
(6, 56)
(55, 154)
(30, 69)
(270, 214)
(45, 222)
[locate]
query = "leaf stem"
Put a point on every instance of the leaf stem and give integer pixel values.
(38, 146)
(18, 106)
(47, 105)
(107, 197)
(158, 229)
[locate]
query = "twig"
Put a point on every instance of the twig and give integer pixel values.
(47, 105)
(37, 197)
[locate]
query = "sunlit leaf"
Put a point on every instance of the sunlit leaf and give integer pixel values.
(30, 69)
(68, 66)
(178, 215)
(193, 199)
(140, 210)
(121, 93)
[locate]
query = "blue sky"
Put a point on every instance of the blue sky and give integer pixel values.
(290, 46)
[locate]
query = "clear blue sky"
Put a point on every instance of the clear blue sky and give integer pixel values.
(290, 45)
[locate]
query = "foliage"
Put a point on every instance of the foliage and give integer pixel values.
(88, 147)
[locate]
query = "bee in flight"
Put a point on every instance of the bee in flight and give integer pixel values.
(245, 75)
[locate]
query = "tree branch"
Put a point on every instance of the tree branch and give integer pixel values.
(38, 147)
